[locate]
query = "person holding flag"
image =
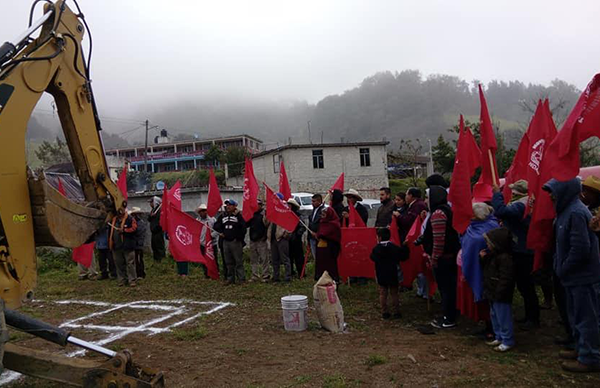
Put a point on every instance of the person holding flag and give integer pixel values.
(209, 223)
(232, 229)
(278, 239)
(353, 198)
(296, 250)
(157, 241)
(313, 222)
(121, 241)
(259, 253)
(328, 237)
(514, 218)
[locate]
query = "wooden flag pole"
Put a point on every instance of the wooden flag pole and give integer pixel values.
(492, 168)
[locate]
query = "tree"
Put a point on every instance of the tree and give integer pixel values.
(51, 153)
(408, 157)
(235, 157)
(214, 155)
(443, 154)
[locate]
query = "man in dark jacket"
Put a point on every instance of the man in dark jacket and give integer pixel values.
(122, 242)
(414, 207)
(158, 235)
(384, 213)
(513, 217)
(577, 264)
(140, 239)
(441, 244)
(313, 221)
(353, 198)
(498, 285)
(295, 244)
(232, 229)
(105, 258)
(259, 254)
(337, 203)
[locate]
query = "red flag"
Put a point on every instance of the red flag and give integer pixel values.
(61, 188)
(394, 233)
(209, 257)
(354, 219)
(250, 196)
(416, 262)
(460, 185)
(84, 254)
(122, 182)
(175, 195)
(339, 184)
(489, 171)
(278, 212)
(214, 202)
(171, 198)
(184, 236)
(356, 247)
(284, 184)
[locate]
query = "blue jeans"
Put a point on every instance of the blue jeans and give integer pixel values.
(422, 285)
(502, 322)
(583, 307)
(313, 248)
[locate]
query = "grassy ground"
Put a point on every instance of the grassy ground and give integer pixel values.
(246, 345)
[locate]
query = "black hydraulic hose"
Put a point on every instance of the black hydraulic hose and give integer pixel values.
(36, 327)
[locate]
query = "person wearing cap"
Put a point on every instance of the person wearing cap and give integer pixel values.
(157, 242)
(577, 264)
(121, 240)
(140, 239)
(590, 195)
(296, 250)
(353, 198)
(259, 253)
(278, 240)
(514, 218)
(232, 229)
(209, 222)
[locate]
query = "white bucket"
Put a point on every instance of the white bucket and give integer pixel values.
(295, 312)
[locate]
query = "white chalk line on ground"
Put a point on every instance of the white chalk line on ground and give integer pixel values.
(118, 332)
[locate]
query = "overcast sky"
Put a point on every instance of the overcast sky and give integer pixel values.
(156, 52)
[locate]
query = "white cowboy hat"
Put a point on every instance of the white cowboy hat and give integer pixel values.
(134, 210)
(202, 207)
(292, 201)
(353, 193)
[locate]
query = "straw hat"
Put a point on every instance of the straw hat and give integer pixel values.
(353, 193)
(292, 201)
(592, 182)
(135, 210)
(202, 207)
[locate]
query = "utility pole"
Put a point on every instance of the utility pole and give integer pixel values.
(146, 150)
(309, 138)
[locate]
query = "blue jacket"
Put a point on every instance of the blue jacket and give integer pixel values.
(511, 216)
(102, 238)
(577, 260)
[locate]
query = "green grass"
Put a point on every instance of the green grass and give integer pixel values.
(194, 333)
(374, 360)
(339, 381)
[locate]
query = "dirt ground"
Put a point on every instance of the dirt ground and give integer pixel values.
(245, 345)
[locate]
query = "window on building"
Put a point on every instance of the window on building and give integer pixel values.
(276, 163)
(365, 157)
(318, 159)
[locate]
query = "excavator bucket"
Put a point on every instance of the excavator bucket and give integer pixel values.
(57, 220)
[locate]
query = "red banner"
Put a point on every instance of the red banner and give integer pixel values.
(210, 262)
(122, 182)
(214, 201)
(356, 247)
(184, 236)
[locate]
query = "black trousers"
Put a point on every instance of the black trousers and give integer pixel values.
(106, 263)
(445, 276)
(560, 296)
(140, 268)
(526, 286)
(296, 257)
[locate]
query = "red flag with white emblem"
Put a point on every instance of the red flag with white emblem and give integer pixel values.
(184, 236)
(284, 184)
(250, 195)
(214, 202)
(278, 212)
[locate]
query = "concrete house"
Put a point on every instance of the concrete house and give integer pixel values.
(314, 168)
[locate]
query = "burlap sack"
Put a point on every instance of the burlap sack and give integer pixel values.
(328, 306)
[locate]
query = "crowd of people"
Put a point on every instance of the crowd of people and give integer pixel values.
(475, 273)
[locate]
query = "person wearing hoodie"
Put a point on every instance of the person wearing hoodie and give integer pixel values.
(441, 245)
(513, 217)
(387, 257)
(577, 264)
(157, 241)
(498, 285)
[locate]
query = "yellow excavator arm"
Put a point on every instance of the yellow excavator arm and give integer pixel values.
(33, 213)
(29, 207)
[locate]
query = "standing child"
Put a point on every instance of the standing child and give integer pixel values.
(498, 284)
(387, 257)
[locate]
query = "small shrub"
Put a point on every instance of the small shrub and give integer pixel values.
(374, 360)
(194, 334)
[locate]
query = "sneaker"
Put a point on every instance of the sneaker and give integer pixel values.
(437, 322)
(386, 316)
(448, 324)
(493, 343)
(578, 367)
(568, 354)
(502, 348)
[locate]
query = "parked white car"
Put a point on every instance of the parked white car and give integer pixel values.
(304, 199)
(371, 203)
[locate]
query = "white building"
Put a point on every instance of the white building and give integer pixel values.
(314, 168)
